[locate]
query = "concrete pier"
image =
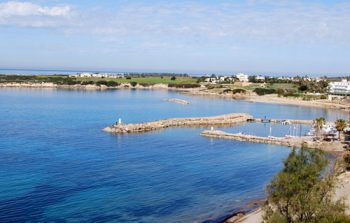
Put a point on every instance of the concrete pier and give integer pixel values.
(298, 142)
(284, 121)
(222, 120)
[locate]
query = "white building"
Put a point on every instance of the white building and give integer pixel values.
(85, 75)
(260, 78)
(242, 77)
(340, 87)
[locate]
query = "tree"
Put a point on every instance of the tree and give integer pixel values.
(319, 123)
(302, 192)
(340, 125)
(173, 78)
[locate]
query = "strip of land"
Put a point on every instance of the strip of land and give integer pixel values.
(221, 120)
(283, 141)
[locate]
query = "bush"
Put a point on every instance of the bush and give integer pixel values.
(99, 83)
(87, 82)
(112, 84)
(184, 85)
(173, 78)
(303, 88)
(133, 83)
(238, 91)
(263, 91)
(323, 97)
(146, 84)
(347, 160)
(128, 78)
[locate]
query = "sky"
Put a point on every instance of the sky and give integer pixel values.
(209, 36)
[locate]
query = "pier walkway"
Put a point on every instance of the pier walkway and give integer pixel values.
(298, 142)
(221, 120)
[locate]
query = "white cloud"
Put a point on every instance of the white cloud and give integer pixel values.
(191, 23)
(33, 15)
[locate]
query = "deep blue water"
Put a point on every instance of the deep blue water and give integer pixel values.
(57, 165)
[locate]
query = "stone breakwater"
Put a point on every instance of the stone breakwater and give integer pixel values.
(222, 120)
(306, 141)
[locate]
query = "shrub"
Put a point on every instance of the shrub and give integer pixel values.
(238, 91)
(133, 83)
(112, 84)
(303, 88)
(323, 97)
(347, 160)
(263, 91)
(128, 78)
(99, 83)
(87, 82)
(173, 78)
(146, 84)
(184, 85)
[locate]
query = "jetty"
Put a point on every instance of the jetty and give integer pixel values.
(283, 121)
(221, 120)
(298, 141)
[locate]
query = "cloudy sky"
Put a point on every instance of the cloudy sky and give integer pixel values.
(254, 36)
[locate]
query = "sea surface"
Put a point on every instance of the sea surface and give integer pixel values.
(56, 165)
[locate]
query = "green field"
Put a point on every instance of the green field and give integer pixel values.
(144, 80)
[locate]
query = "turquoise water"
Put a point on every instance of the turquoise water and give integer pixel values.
(57, 165)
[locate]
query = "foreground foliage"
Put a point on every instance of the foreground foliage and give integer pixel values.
(302, 191)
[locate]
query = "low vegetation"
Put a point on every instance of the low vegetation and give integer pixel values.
(177, 81)
(303, 192)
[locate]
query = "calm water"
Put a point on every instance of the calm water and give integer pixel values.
(57, 165)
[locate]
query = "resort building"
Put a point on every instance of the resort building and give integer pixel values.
(242, 77)
(340, 87)
(260, 78)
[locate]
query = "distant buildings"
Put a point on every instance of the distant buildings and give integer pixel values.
(340, 87)
(260, 78)
(242, 77)
(219, 79)
(100, 75)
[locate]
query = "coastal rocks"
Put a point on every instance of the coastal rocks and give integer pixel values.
(222, 120)
(178, 101)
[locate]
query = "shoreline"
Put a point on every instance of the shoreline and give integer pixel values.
(273, 99)
(201, 91)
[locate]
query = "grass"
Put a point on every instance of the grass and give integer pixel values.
(63, 79)
(144, 80)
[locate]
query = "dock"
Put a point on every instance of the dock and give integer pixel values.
(283, 141)
(296, 142)
(221, 120)
(283, 121)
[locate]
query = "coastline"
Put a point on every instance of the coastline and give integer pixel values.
(202, 91)
(273, 99)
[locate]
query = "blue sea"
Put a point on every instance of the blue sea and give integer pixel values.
(56, 165)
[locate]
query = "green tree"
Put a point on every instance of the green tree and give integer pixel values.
(301, 193)
(319, 123)
(340, 125)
